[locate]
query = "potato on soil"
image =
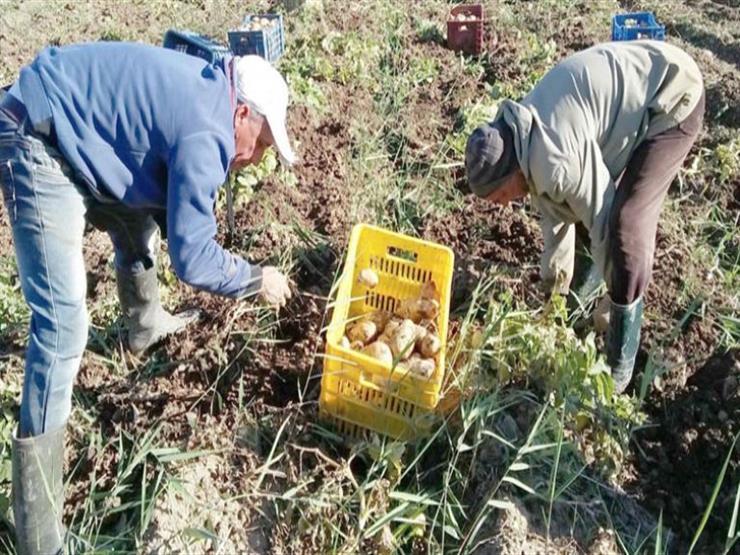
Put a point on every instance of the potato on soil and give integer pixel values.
(379, 351)
(363, 331)
(368, 277)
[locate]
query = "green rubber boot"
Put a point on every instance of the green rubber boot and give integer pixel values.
(622, 341)
(38, 493)
(145, 318)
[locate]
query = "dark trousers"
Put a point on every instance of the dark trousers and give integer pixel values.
(633, 223)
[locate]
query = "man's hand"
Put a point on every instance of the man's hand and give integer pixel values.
(275, 288)
(601, 314)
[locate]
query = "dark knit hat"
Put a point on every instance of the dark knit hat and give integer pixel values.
(490, 157)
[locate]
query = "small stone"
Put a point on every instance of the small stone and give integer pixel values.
(722, 415)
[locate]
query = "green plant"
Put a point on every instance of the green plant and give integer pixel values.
(246, 180)
(8, 424)
(541, 349)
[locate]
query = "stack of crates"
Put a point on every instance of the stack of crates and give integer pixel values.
(637, 25)
(261, 35)
(195, 44)
(360, 393)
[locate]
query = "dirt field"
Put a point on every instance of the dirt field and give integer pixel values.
(212, 442)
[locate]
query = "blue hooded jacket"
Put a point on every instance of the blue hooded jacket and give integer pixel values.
(153, 129)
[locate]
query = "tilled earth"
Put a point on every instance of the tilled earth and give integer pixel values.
(694, 413)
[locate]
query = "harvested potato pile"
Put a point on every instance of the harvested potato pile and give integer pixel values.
(257, 23)
(408, 336)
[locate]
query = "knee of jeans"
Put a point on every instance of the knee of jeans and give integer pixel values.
(63, 331)
(75, 334)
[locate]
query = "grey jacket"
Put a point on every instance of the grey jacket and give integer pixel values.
(577, 129)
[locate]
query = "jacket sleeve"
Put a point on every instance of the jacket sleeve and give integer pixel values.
(589, 192)
(197, 166)
(556, 263)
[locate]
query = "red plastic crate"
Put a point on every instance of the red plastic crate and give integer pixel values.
(465, 36)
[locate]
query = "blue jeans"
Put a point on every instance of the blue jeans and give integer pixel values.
(47, 209)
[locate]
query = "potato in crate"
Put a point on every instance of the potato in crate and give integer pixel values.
(637, 25)
(261, 35)
(386, 343)
(465, 29)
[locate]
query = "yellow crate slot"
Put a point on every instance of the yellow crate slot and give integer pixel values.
(358, 393)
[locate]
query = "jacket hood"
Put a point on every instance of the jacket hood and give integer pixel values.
(519, 118)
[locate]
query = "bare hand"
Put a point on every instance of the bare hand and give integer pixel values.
(601, 314)
(275, 288)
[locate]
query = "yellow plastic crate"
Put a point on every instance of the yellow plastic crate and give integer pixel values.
(360, 393)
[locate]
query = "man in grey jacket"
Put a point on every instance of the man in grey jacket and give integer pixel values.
(598, 141)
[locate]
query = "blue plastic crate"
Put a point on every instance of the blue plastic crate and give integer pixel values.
(268, 43)
(195, 44)
(637, 25)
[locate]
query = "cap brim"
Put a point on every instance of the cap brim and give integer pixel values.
(281, 141)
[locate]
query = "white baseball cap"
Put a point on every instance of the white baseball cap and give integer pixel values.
(262, 86)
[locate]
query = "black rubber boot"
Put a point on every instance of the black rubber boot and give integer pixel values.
(38, 493)
(145, 318)
(622, 341)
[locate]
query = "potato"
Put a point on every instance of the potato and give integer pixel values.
(344, 342)
(429, 291)
(389, 329)
(368, 277)
(380, 318)
(422, 367)
(379, 351)
(364, 331)
(418, 309)
(407, 309)
(429, 345)
(403, 339)
(421, 333)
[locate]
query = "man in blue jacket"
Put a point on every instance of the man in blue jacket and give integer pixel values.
(124, 136)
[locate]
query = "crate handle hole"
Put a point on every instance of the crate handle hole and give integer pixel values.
(403, 254)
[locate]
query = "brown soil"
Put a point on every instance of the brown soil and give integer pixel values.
(680, 459)
(482, 235)
(673, 464)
